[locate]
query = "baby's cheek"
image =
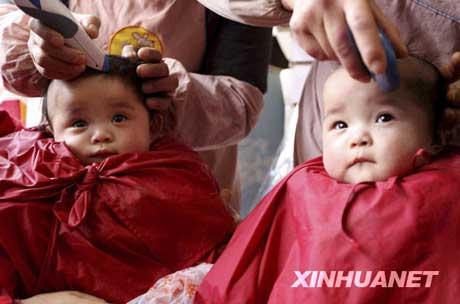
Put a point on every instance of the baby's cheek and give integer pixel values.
(75, 145)
(333, 164)
(394, 163)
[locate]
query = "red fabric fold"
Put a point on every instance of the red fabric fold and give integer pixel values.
(310, 222)
(110, 229)
(8, 124)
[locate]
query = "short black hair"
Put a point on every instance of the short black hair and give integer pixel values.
(122, 68)
(426, 82)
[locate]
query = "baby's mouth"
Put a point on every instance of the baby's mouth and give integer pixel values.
(360, 160)
(102, 154)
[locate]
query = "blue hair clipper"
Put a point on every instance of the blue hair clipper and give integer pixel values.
(388, 81)
(54, 14)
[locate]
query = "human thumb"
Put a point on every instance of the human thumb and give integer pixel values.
(90, 23)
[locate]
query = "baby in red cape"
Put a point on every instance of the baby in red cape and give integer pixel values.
(374, 220)
(99, 204)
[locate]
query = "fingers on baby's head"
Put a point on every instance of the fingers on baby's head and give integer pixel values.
(122, 69)
(416, 75)
(421, 80)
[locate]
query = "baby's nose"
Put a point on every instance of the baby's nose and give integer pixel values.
(361, 139)
(102, 136)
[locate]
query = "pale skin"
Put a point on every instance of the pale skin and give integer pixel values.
(369, 135)
(98, 116)
(55, 60)
(319, 26)
(63, 297)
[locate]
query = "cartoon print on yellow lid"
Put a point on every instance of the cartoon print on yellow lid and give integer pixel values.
(136, 36)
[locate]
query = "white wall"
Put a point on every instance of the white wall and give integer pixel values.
(33, 105)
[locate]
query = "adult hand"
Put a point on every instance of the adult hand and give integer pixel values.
(451, 72)
(63, 297)
(51, 57)
(320, 27)
(157, 84)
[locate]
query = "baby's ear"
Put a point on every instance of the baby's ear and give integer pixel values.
(156, 126)
(163, 122)
(449, 129)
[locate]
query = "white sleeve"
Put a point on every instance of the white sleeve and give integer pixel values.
(265, 13)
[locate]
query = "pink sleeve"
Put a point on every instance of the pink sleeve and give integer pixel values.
(19, 74)
(214, 111)
(265, 13)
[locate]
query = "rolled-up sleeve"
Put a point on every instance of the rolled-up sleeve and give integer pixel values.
(214, 111)
(254, 12)
(19, 74)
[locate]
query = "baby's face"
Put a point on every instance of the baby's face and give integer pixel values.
(98, 117)
(369, 135)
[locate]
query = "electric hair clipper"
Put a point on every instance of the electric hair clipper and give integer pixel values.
(54, 14)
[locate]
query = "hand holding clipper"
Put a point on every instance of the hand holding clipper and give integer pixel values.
(58, 17)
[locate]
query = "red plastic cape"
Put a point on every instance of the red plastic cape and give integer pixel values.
(110, 229)
(309, 222)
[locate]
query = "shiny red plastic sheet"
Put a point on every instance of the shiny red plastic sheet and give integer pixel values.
(310, 222)
(110, 229)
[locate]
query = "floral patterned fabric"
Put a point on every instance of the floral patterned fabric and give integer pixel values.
(177, 288)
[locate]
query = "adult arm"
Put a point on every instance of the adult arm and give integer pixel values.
(220, 105)
(264, 13)
(31, 53)
(213, 110)
(320, 27)
(19, 74)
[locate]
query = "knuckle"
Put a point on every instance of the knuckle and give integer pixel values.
(37, 41)
(147, 87)
(356, 71)
(342, 46)
(343, 51)
(360, 22)
(165, 69)
(315, 53)
(371, 55)
(313, 49)
(327, 4)
(40, 58)
(298, 26)
(47, 74)
(34, 25)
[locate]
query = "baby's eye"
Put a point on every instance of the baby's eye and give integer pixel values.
(119, 118)
(384, 118)
(339, 125)
(79, 124)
